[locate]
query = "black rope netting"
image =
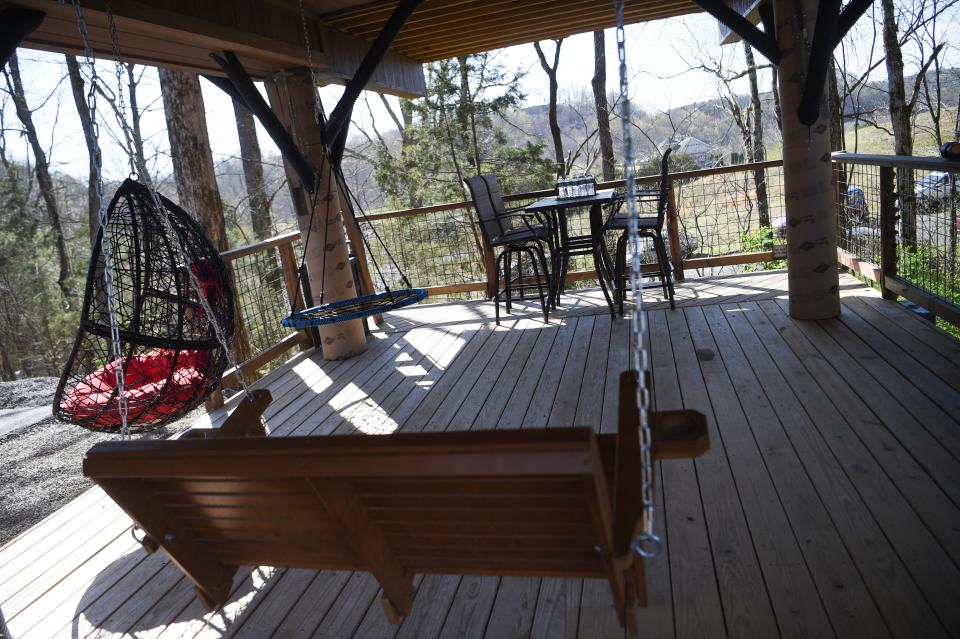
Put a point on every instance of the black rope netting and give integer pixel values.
(170, 355)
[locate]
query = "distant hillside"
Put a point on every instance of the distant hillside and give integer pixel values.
(707, 120)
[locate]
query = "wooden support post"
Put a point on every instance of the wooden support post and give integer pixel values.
(292, 97)
(354, 234)
(628, 487)
(812, 273)
(888, 232)
(368, 543)
(673, 233)
(213, 579)
(490, 269)
(288, 266)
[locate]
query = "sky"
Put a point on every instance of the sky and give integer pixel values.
(659, 56)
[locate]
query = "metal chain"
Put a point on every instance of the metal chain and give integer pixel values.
(647, 544)
(103, 217)
(317, 104)
(121, 104)
(168, 224)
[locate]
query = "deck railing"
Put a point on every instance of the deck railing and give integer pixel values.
(713, 220)
(265, 280)
(897, 226)
(716, 218)
(713, 217)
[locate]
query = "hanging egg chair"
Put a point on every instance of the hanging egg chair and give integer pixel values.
(170, 356)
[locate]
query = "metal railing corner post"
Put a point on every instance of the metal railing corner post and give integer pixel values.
(888, 231)
(673, 232)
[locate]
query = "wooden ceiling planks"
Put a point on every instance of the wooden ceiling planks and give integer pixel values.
(443, 28)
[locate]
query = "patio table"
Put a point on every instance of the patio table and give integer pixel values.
(571, 245)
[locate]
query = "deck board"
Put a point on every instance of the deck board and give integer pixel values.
(829, 504)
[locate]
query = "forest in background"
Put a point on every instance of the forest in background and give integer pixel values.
(475, 119)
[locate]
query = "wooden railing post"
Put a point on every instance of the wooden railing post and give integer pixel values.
(490, 269)
(888, 231)
(288, 266)
(673, 232)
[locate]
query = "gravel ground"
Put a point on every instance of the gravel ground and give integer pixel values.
(40, 462)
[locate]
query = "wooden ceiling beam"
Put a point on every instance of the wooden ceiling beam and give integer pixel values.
(175, 34)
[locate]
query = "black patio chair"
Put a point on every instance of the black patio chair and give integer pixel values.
(649, 227)
(518, 233)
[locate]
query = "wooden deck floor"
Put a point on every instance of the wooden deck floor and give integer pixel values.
(826, 507)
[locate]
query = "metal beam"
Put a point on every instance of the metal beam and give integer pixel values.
(848, 17)
(762, 42)
(244, 88)
(15, 25)
(341, 113)
(821, 54)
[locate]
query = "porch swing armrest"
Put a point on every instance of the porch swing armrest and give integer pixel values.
(675, 434)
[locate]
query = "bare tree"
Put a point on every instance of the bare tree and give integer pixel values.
(405, 125)
(775, 91)
(748, 121)
(901, 110)
(133, 81)
(252, 162)
(44, 180)
(599, 84)
(83, 111)
(757, 151)
(190, 151)
(466, 113)
(194, 171)
(551, 71)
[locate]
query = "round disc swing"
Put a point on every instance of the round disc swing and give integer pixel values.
(360, 306)
(354, 307)
(157, 315)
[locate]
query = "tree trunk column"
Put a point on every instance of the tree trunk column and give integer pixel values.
(812, 272)
(196, 177)
(291, 95)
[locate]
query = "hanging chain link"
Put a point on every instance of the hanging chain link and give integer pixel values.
(121, 104)
(106, 249)
(165, 216)
(317, 104)
(647, 544)
(103, 214)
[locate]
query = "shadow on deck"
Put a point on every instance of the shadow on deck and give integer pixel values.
(827, 506)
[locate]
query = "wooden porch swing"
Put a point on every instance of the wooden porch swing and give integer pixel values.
(559, 502)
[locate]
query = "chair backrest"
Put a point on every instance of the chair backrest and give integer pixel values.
(662, 193)
(664, 187)
(488, 202)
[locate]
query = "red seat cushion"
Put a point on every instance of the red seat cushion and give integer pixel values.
(150, 396)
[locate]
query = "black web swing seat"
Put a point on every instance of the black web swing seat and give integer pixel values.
(354, 308)
(170, 356)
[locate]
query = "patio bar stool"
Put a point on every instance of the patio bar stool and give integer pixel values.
(518, 234)
(649, 227)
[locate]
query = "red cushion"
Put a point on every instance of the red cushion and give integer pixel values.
(145, 383)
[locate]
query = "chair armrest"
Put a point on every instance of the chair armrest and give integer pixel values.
(526, 216)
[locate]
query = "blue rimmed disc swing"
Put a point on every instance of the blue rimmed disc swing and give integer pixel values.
(360, 306)
(354, 308)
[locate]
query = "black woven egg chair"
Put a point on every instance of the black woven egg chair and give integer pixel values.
(170, 356)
